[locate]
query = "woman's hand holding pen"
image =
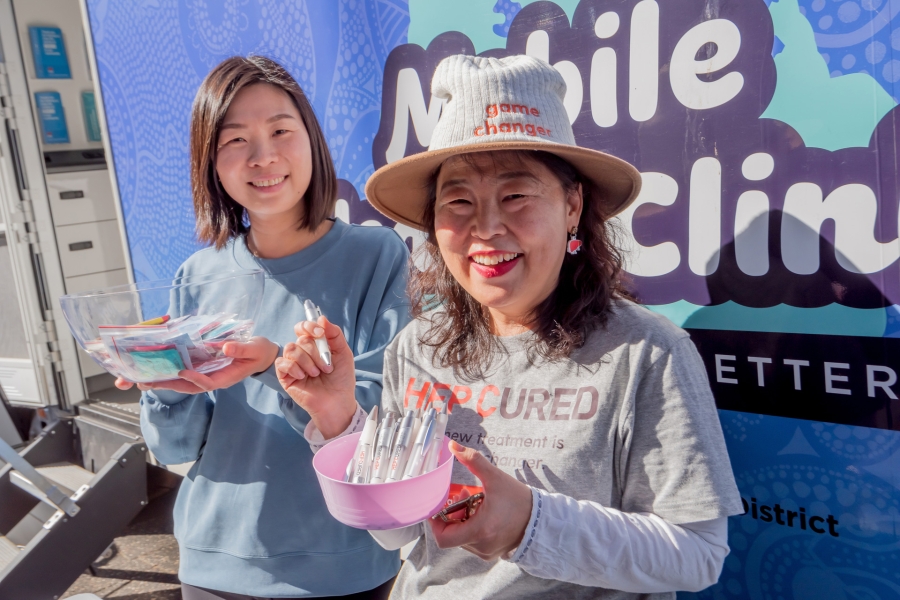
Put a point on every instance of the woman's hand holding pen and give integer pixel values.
(498, 525)
(327, 393)
(249, 358)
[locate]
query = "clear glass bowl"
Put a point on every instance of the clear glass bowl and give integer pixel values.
(148, 331)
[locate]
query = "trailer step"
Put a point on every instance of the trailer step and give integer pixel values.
(37, 534)
(123, 417)
(8, 552)
(66, 475)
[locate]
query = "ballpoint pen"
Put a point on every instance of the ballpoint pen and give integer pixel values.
(417, 423)
(312, 314)
(383, 448)
(402, 446)
(437, 441)
(362, 458)
(420, 448)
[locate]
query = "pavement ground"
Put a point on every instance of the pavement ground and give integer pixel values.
(144, 561)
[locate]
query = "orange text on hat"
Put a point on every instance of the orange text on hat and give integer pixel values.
(491, 129)
(494, 110)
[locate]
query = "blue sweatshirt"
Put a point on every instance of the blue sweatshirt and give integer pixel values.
(250, 517)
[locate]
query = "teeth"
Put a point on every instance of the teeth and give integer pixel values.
(493, 259)
(268, 182)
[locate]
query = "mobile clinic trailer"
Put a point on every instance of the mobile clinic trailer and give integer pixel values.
(68, 485)
(767, 134)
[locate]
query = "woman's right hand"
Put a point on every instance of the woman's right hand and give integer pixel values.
(327, 393)
(124, 384)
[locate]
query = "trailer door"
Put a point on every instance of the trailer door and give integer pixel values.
(31, 357)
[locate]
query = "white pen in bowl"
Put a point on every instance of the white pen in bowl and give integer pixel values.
(383, 448)
(417, 423)
(437, 440)
(312, 314)
(420, 448)
(362, 458)
(402, 446)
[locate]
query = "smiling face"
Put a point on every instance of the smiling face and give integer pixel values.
(263, 153)
(500, 222)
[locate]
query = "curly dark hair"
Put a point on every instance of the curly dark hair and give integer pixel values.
(460, 334)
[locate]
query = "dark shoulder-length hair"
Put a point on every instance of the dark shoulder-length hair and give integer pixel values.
(219, 217)
(459, 333)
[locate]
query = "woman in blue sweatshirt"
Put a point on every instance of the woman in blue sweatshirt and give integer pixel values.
(250, 518)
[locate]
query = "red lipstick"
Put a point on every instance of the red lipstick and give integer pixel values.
(489, 271)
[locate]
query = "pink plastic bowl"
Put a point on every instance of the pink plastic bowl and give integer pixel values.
(381, 505)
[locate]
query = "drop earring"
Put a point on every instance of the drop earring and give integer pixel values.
(574, 244)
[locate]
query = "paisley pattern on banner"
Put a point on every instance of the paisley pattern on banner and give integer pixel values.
(859, 36)
(152, 56)
(823, 511)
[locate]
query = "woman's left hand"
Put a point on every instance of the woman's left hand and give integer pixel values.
(498, 525)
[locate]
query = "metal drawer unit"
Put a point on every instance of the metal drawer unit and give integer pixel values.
(81, 197)
(90, 248)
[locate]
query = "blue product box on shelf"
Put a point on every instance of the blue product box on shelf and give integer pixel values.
(53, 118)
(91, 120)
(49, 53)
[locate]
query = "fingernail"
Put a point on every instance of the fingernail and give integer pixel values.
(318, 332)
(328, 368)
(315, 373)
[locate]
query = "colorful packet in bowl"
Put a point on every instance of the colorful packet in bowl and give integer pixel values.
(157, 365)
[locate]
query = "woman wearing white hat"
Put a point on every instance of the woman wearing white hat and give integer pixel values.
(587, 419)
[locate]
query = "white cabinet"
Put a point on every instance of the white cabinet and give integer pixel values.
(90, 248)
(80, 197)
(96, 281)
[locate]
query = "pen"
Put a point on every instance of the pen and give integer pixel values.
(420, 448)
(393, 440)
(363, 456)
(312, 314)
(371, 469)
(417, 424)
(434, 452)
(383, 448)
(402, 446)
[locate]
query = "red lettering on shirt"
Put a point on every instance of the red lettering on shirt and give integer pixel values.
(437, 397)
(419, 395)
(480, 405)
(460, 395)
(559, 404)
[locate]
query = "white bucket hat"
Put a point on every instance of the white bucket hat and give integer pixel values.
(491, 104)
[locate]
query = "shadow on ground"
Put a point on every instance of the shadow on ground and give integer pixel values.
(144, 563)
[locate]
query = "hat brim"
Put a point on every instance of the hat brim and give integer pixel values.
(399, 190)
